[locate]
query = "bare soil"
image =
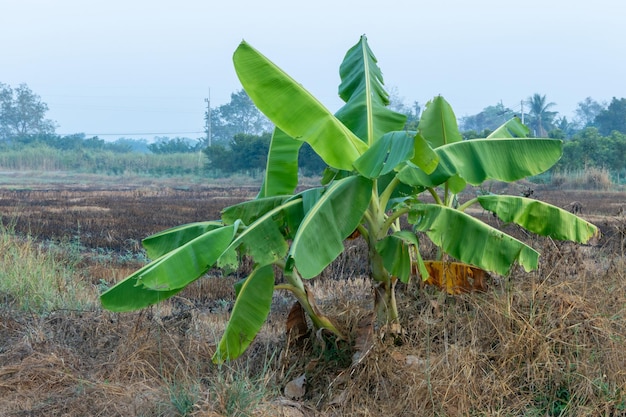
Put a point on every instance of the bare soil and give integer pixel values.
(548, 342)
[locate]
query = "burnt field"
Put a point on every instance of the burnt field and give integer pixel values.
(117, 217)
(112, 219)
(548, 342)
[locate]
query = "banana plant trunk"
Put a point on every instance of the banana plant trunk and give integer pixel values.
(384, 291)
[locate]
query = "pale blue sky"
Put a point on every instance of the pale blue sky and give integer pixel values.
(136, 66)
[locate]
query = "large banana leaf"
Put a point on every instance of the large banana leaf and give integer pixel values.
(250, 311)
(265, 239)
(385, 154)
(538, 217)
(365, 111)
(169, 274)
(504, 160)
(185, 264)
(438, 123)
(294, 110)
(127, 295)
(166, 241)
(281, 172)
(328, 223)
(478, 160)
(470, 240)
(513, 128)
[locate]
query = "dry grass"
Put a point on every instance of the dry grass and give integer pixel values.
(591, 178)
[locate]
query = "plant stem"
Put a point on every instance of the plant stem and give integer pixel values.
(306, 300)
(386, 195)
(467, 204)
(393, 217)
(434, 194)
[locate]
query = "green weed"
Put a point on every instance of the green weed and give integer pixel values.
(39, 279)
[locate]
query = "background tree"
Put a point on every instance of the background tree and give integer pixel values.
(612, 118)
(540, 117)
(487, 120)
(244, 153)
(176, 145)
(240, 115)
(412, 111)
(588, 148)
(562, 128)
(22, 113)
(587, 111)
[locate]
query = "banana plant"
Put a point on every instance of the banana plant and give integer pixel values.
(377, 173)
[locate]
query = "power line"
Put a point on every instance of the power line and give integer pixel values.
(127, 134)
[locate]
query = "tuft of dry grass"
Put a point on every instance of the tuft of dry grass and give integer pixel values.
(590, 178)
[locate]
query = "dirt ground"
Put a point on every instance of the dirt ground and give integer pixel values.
(157, 362)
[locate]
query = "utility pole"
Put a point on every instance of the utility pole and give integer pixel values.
(522, 104)
(208, 118)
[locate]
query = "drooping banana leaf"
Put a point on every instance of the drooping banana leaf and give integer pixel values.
(513, 128)
(250, 311)
(538, 217)
(127, 295)
(281, 171)
(265, 239)
(165, 241)
(470, 240)
(183, 265)
(385, 154)
(328, 223)
(362, 88)
(438, 123)
(396, 252)
(294, 110)
(415, 177)
(249, 211)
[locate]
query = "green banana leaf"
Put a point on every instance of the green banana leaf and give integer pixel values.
(385, 154)
(538, 217)
(396, 251)
(413, 176)
(513, 128)
(281, 171)
(183, 265)
(166, 241)
(480, 159)
(249, 211)
(128, 295)
(365, 111)
(328, 223)
(294, 110)
(424, 157)
(471, 241)
(438, 123)
(265, 239)
(310, 197)
(169, 274)
(503, 160)
(250, 311)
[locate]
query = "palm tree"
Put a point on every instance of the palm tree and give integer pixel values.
(540, 115)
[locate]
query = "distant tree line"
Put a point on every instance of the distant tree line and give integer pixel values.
(240, 135)
(543, 121)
